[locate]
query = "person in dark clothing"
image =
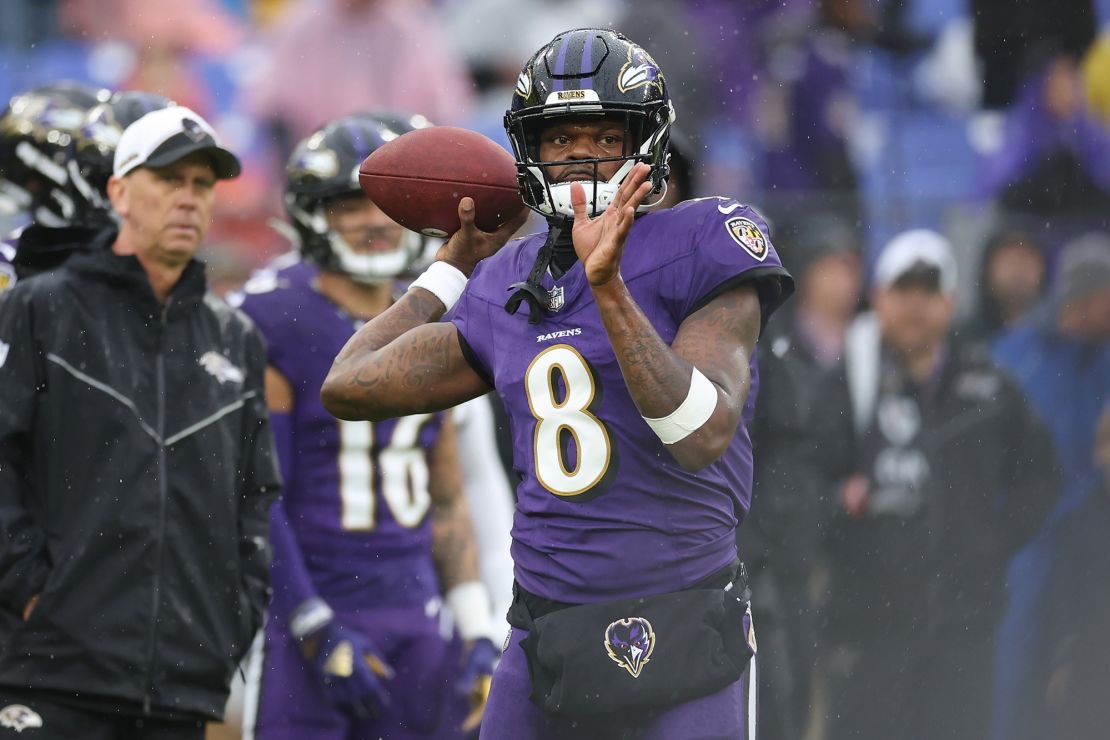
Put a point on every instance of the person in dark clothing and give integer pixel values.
(938, 471)
(780, 540)
(1012, 278)
(136, 465)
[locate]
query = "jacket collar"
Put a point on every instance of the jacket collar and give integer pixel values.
(102, 264)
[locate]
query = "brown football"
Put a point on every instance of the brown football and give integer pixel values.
(419, 177)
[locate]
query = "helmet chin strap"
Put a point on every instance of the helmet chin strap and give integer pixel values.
(372, 269)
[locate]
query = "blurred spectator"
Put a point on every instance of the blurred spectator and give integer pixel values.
(1061, 358)
(1014, 39)
(806, 113)
(941, 472)
(1078, 696)
(163, 37)
(27, 22)
(1012, 278)
(327, 58)
(1054, 159)
(780, 539)
(1096, 78)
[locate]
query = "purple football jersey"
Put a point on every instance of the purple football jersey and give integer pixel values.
(604, 511)
(358, 498)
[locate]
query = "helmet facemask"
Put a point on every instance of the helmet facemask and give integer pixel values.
(323, 245)
(585, 74)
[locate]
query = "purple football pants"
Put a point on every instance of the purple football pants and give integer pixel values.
(510, 715)
(292, 704)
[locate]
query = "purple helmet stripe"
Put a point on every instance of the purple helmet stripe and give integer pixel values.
(561, 63)
(354, 131)
(587, 61)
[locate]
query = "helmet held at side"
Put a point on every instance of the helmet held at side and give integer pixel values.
(580, 74)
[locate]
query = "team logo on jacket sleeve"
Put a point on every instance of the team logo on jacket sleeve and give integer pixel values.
(19, 718)
(629, 643)
(745, 233)
(220, 368)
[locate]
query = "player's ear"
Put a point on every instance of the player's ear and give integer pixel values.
(118, 194)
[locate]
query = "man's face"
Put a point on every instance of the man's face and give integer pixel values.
(167, 211)
(1087, 318)
(1015, 275)
(914, 318)
(362, 225)
(832, 284)
(583, 137)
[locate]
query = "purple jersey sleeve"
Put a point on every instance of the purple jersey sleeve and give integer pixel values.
(731, 245)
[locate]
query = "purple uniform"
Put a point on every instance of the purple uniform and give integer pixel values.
(604, 512)
(357, 504)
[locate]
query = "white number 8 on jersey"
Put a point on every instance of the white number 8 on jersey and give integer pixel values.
(570, 415)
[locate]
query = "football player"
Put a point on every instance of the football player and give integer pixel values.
(56, 148)
(37, 133)
(373, 526)
(629, 381)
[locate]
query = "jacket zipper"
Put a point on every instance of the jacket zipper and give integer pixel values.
(163, 494)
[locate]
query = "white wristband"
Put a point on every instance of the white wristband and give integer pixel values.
(470, 603)
(690, 414)
(443, 281)
(310, 616)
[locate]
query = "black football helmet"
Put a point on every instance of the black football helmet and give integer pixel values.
(37, 136)
(95, 150)
(325, 166)
(589, 71)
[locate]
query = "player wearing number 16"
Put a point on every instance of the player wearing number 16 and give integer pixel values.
(372, 526)
(625, 359)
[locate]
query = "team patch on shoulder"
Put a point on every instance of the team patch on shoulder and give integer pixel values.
(745, 233)
(19, 718)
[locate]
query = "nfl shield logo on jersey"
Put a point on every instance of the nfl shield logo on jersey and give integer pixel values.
(630, 642)
(745, 233)
(555, 298)
(19, 718)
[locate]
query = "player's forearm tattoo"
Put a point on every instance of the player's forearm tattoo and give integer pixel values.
(657, 376)
(410, 364)
(413, 309)
(657, 380)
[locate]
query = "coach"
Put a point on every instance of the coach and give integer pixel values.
(136, 465)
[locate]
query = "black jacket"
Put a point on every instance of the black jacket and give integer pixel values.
(136, 473)
(961, 475)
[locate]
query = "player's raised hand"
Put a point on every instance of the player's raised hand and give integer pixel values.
(470, 245)
(599, 241)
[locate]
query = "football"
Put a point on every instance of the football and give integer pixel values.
(419, 177)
